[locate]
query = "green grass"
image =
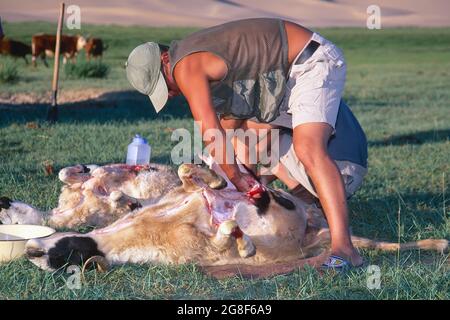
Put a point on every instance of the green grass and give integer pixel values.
(120, 42)
(86, 69)
(398, 82)
(8, 72)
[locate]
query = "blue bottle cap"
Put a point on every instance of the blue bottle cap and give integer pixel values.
(139, 140)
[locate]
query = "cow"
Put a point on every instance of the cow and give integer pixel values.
(44, 45)
(94, 48)
(95, 196)
(205, 222)
(14, 48)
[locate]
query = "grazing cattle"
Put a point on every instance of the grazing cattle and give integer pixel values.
(95, 196)
(44, 44)
(206, 223)
(94, 48)
(14, 48)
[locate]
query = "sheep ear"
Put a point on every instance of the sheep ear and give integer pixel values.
(5, 203)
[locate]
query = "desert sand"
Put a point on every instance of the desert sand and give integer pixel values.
(203, 13)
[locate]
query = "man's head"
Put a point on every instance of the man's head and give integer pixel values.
(148, 70)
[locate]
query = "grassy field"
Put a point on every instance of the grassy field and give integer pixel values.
(398, 87)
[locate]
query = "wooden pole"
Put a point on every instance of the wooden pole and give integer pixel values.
(1, 30)
(52, 114)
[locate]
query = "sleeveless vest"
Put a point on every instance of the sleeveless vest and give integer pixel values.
(256, 54)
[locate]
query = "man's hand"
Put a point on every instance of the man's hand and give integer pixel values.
(243, 182)
(255, 191)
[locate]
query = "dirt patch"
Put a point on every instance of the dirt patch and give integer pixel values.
(264, 271)
(66, 96)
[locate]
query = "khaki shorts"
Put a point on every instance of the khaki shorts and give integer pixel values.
(352, 173)
(314, 88)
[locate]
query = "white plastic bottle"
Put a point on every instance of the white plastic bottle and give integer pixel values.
(138, 151)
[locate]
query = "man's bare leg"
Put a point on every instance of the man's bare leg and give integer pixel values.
(310, 144)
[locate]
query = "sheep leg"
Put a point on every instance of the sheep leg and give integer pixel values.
(120, 199)
(227, 232)
(245, 246)
(223, 238)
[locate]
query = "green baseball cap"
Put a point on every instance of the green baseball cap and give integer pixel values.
(144, 73)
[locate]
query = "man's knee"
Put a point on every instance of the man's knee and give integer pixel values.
(309, 155)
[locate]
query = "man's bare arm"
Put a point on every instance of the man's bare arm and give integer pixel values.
(194, 84)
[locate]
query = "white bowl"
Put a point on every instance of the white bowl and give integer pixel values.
(13, 238)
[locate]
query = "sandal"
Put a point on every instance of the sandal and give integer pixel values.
(336, 263)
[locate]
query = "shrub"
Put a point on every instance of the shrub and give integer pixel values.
(8, 71)
(85, 69)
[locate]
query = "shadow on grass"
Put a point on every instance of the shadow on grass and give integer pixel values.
(378, 218)
(413, 138)
(116, 106)
(353, 100)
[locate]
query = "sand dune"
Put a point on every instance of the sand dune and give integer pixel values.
(203, 13)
